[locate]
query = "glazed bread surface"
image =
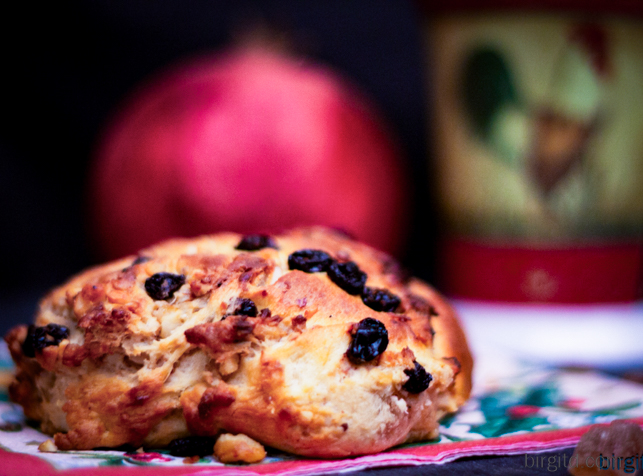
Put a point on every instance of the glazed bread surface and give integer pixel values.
(307, 341)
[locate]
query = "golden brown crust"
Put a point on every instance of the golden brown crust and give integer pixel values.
(146, 363)
(449, 341)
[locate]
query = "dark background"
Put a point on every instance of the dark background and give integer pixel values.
(68, 65)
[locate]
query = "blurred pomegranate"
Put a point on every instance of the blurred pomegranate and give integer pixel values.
(250, 141)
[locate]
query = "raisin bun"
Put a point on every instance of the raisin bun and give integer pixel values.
(308, 341)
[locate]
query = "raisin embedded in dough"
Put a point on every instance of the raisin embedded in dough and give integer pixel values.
(40, 337)
(310, 261)
(380, 300)
(419, 379)
(369, 339)
(347, 276)
(244, 307)
(162, 286)
(255, 242)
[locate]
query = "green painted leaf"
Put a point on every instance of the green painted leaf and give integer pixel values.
(448, 420)
(494, 405)
(492, 427)
(544, 396)
(505, 425)
(487, 84)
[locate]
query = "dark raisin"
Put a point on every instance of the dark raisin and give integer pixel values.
(256, 242)
(29, 345)
(192, 446)
(162, 286)
(57, 333)
(347, 276)
(40, 337)
(369, 339)
(380, 300)
(140, 260)
(419, 379)
(244, 307)
(310, 261)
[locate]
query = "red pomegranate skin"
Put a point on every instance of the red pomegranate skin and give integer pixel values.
(249, 141)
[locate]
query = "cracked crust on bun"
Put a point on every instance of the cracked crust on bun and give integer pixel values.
(278, 338)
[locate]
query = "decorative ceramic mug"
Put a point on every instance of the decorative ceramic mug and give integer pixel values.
(537, 139)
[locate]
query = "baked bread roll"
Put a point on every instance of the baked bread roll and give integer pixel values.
(308, 342)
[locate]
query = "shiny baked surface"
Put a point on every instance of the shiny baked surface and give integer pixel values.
(199, 337)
